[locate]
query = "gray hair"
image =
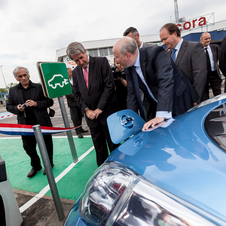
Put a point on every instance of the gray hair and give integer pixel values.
(74, 49)
(18, 68)
(128, 46)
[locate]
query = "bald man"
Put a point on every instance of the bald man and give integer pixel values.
(150, 70)
(213, 72)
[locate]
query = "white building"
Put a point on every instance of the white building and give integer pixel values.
(193, 27)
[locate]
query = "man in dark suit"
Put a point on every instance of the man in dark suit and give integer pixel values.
(189, 57)
(222, 59)
(212, 58)
(132, 32)
(33, 112)
(76, 115)
(150, 70)
(94, 86)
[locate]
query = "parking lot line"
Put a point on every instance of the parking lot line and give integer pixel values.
(59, 177)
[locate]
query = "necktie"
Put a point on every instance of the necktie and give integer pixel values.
(137, 91)
(86, 75)
(173, 54)
(208, 61)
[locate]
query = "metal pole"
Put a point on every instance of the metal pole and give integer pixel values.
(49, 173)
(3, 76)
(67, 125)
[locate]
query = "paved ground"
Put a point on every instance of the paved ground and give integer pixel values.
(43, 212)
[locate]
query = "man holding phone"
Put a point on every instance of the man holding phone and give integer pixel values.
(28, 102)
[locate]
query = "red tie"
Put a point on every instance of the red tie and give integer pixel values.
(86, 75)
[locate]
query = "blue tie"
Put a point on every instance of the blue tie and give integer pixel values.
(137, 90)
(173, 54)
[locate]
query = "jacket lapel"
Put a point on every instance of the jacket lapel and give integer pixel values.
(33, 93)
(181, 51)
(91, 71)
(143, 62)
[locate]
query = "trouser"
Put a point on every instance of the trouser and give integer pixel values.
(76, 117)
(99, 136)
(29, 145)
(215, 82)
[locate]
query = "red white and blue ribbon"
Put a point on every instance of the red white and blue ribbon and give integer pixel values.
(27, 130)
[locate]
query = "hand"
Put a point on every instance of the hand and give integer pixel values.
(20, 108)
(152, 122)
(31, 103)
(90, 114)
(194, 103)
(97, 112)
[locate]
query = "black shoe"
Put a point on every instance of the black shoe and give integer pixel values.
(33, 172)
(79, 135)
(84, 131)
(44, 173)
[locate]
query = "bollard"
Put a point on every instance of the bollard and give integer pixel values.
(48, 169)
(67, 125)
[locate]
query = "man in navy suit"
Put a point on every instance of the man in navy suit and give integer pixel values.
(150, 70)
(188, 56)
(213, 72)
(94, 87)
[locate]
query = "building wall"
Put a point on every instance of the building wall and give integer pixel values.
(104, 47)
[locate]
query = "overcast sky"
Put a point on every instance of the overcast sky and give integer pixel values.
(32, 30)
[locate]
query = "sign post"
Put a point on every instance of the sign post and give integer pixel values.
(55, 83)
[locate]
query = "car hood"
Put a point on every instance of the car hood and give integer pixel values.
(181, 159)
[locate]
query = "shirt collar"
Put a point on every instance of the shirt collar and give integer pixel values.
(137, 62)
(141, 46)
(29, 86)
(179, 44)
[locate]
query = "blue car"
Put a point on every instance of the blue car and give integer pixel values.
(172, 175)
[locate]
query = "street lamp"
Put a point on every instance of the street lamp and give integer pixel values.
(3, 76)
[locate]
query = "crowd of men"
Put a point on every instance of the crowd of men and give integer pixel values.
(160, 82)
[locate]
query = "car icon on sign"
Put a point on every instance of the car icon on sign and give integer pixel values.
(57, 80)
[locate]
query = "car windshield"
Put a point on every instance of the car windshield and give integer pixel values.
(215, 125)
(209, 101)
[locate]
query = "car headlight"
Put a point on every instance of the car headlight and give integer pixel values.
(117, 196)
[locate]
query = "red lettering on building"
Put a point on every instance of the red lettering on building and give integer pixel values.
(202, 21)
(192, 24)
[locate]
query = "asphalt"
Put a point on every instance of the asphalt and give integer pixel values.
(43, 212)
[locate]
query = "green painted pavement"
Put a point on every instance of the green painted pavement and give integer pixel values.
(70, 186)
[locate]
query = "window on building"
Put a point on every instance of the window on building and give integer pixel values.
(93, 52)
(111, 50)
(103, 52)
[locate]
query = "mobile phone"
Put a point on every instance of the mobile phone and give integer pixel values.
(23, 105)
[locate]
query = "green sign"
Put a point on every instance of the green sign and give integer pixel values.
(54, 79)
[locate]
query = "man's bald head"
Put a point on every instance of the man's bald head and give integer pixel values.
(125, 51)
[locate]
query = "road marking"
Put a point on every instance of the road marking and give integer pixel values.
(47, 188)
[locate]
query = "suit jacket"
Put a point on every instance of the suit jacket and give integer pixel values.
(145, 44)
(16, 97)
(158, 74)
(184, 94)
(71, 102)
(222, 57)
(100, 89)
(191, 60)
(215, 51)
